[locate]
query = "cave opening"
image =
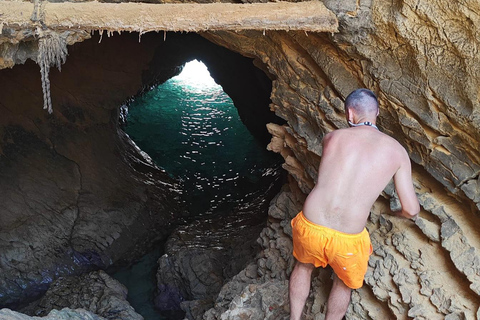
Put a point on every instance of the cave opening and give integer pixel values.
(92, 199)
(191, 127)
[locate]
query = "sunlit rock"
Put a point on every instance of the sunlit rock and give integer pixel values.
(429, 102)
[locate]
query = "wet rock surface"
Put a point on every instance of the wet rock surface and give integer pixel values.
(202, 256)
(95, 292)
(64, 314)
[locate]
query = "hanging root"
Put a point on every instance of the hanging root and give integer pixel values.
(52, 51)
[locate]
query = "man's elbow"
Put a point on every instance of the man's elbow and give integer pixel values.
(412, 212)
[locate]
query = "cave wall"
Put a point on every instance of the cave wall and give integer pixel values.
(420, 57)
(77, 194)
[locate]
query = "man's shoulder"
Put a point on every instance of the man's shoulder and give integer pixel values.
(350, 133)
(337, 132)
(394, 148)
(334, 135)
(392, 141)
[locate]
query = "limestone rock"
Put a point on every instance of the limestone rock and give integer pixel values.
(95, 292)
(241, 295)
(420, 57)
(425, 70)
(260, 301)
(143, 17)
(201, 257)
(64, 314)
(77, 193)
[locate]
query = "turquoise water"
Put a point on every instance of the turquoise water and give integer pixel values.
(140, 281)
(193, 131)
(191, 128)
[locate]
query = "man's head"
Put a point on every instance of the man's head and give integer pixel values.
(363, 103)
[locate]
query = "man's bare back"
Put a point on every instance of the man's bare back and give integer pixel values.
(357, 163)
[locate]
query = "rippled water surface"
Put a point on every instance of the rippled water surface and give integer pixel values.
(191, 128)
(193, 131)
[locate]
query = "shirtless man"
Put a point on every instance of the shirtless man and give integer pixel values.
(357, 164)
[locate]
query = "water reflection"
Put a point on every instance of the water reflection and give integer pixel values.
(192, 130)
(190, 127)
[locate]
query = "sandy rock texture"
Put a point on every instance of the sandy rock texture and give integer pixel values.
(421, 59)
(144, 17)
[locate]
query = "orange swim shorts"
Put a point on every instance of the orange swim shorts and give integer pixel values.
(346, 253)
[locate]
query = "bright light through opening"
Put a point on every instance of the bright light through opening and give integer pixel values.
(195, 73)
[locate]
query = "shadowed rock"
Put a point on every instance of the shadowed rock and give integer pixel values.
(420, 58)
(64, 314)
(201, 257)
(96, 292)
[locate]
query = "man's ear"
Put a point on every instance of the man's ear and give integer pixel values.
(349, 114)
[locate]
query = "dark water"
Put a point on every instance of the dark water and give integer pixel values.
(193, 131)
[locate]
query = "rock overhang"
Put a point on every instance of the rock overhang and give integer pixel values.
(310, 16)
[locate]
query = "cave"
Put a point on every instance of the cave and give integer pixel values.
(125, 67)
(75, 175)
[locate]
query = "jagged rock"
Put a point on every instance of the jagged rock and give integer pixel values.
(429, 102)
(274, 263)
(200, 257)
(64, 314)
(195, 309)
(77, 193)
(96, 292)
(268, 300)
(420, 57)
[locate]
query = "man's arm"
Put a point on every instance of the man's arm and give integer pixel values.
(405, 191)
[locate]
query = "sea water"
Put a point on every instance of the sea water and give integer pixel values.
(190, 127)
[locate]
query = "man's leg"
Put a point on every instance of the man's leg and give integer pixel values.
(299, 288)
(338, 300)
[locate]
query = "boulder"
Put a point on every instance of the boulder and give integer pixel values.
(64, 314)
(95, 292)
